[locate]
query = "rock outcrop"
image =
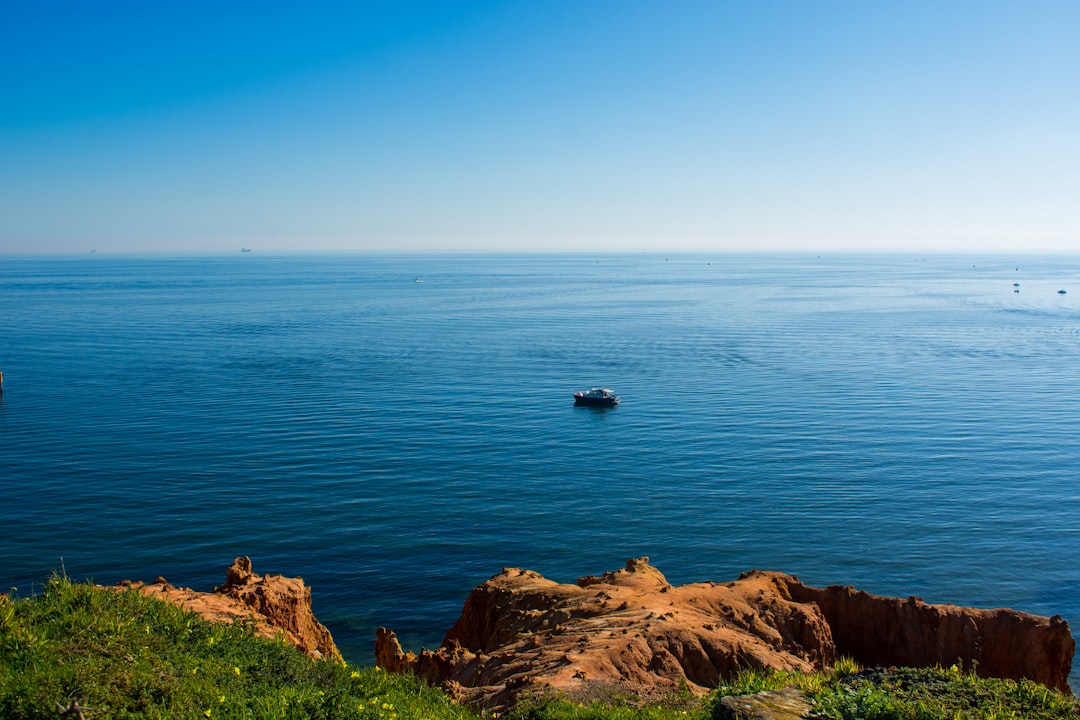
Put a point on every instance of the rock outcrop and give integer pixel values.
(884, 631)
(277, 605)
(631, 630)
(786, 704)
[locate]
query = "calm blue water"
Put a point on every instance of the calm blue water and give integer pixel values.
(907, 425)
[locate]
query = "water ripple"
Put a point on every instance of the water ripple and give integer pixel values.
(905, 427)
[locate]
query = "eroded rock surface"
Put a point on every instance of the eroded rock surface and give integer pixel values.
(632, 630)
(883, 631)
(276, 604)
(786, 704)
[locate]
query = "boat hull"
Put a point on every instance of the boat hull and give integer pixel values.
(587, 401)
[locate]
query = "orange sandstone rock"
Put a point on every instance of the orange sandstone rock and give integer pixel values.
(630, 629)
(633, 631)
(276, 604)
(882, 631)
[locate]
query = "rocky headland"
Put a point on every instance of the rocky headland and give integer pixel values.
(630, 630)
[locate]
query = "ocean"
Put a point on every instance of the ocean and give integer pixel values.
(398, 428)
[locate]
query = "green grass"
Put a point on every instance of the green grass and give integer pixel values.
(932, 693)
(562, 709)
(599, 702)
(848, 693)
(128, 656)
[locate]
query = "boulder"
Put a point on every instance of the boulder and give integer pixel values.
(786, 704)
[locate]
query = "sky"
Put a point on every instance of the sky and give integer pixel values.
(561, 125)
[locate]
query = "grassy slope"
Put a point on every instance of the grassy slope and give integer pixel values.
(128, 656)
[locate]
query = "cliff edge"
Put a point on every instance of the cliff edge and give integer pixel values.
(276, 605)
(632, 630)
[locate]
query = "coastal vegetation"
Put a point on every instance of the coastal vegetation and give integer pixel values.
(123, 655)
(847, 692)
(107, 653)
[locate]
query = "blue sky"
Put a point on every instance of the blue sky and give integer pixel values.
(812, 125)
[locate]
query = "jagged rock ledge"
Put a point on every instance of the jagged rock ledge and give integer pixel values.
(277, 605)
(632, 630)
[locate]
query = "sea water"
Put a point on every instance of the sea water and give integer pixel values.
(397, 429)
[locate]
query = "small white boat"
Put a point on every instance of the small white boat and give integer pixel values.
(597, 397)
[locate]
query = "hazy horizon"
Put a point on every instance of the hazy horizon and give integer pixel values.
(513, 127)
